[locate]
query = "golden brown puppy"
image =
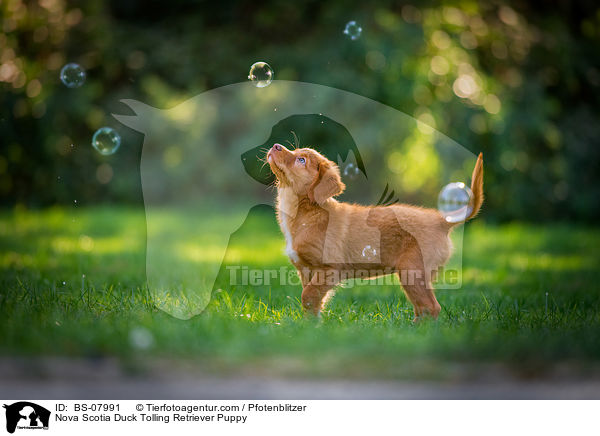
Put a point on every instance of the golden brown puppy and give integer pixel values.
(329, 241)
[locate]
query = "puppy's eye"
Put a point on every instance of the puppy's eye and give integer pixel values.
(302, 160)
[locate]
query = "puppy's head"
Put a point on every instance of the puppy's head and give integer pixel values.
(306, 172)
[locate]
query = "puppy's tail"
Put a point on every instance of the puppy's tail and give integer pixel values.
(477, 187)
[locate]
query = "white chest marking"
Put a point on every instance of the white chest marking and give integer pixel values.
(289, 249)
(287, 205)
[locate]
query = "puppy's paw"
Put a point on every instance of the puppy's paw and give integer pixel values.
(312, 317)
(424, 317)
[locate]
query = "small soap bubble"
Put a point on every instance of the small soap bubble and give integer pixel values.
(140, 338)
(261, 74)
(353, 30)
(369, 253)
(351, 171)
(72, 75)
(455, 202)
(106, 140)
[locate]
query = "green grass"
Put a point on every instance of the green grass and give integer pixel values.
(72, 283)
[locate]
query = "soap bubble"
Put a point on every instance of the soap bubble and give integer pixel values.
(261, 74)
(351, 171)
(72, 75)
(369, 253)
(353, 30)
(455, 202)
(106, 140)
(140, 338)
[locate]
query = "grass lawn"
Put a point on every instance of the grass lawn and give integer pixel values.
(72, 283)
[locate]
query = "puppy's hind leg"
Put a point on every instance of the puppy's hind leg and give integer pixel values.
(417, 286)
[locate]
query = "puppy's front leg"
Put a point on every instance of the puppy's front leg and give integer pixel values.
(314, 292)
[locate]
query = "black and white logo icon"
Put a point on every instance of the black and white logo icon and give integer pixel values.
(26, 415)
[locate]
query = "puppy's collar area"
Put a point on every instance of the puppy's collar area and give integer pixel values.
(287, 201)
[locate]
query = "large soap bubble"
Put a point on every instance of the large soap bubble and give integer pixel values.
(261, 74)
(106, 140)
(455, 202)
(353, 30)
(72, 75)
(351, 172)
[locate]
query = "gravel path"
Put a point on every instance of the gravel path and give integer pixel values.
(59, 379)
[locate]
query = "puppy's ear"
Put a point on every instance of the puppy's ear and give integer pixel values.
(327, 184)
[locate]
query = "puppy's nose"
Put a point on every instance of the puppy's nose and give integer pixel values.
(277, 147)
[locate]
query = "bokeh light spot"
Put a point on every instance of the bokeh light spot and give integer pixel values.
(140, 338)
(440, 39)
(104, 173)
(492, 104)
(465, 86)
(375, 60)
(172, 156)
(439, 65)
(86, 243)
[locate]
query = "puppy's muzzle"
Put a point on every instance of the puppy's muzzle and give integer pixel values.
(276, 149)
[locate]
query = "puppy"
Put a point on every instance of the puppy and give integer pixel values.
(330, 241)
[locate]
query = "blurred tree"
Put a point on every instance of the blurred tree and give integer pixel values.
(519, 82)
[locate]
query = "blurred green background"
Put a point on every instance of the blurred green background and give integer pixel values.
(519, 82)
